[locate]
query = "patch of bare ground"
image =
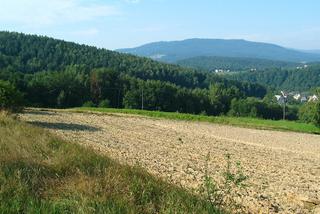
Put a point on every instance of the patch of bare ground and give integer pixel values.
(283, 167)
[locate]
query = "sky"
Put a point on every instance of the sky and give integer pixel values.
(116, 24)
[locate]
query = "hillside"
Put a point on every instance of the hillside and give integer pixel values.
(178, 50)
(29, 54)
(288, 79)
(55, 73)
(210, 63)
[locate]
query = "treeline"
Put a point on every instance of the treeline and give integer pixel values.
(210, 63)
(104, 88)
(302, 79)
(257, 108)
(74, 87)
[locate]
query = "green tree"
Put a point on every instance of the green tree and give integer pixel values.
(10, 98)
(104, 84)
(310, 113)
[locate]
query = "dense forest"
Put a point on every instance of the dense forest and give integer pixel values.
(59, 74)
(302, 79)
(54, 73)
(210, 63)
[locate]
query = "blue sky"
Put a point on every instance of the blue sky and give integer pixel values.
(127, 23)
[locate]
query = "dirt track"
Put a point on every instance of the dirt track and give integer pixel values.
(283, 167)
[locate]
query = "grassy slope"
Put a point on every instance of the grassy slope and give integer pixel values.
(236, 121)
(40, 173)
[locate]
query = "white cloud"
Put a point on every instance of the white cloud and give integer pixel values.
(40, 12)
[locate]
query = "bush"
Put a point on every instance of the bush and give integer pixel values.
(252, 107)
(310, 113)
(104, 104)
(10, 98)
(88, 104)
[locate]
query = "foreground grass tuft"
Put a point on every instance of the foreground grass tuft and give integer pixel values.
(40, 173)
(236, 121)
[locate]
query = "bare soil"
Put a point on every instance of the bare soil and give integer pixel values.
(283, 167)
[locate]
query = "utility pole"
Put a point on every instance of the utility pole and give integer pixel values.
(284, 110)
(142, 99)
(285, 99)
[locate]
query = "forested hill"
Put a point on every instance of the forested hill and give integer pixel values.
(210, 63)
(55, 73)
(31, 54)
(173, 51)
(302, 79)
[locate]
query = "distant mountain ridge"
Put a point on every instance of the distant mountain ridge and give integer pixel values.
(212, 63)
(312, 51)
(173, 51)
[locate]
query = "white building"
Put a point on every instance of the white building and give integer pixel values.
(297, 97)
(313, 98)
(280, 99)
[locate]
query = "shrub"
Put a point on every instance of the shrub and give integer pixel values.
(88, 104)
(224, 194)
(310, 113)
(10, 98)
(104, 104)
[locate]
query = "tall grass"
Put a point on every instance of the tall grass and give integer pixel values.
(235, 121)
(40, 173)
